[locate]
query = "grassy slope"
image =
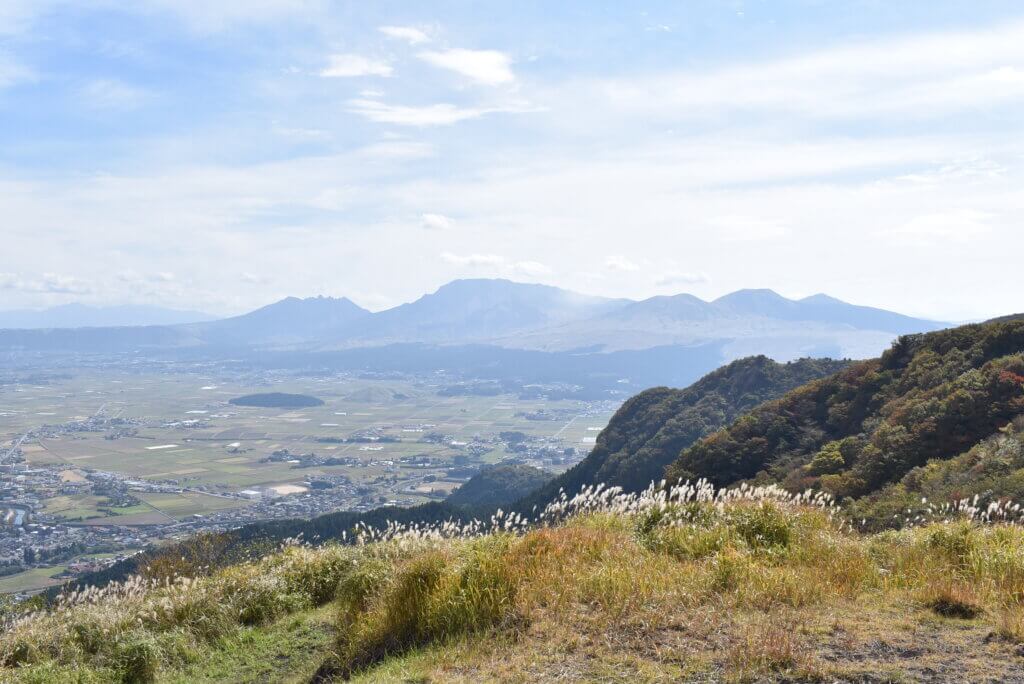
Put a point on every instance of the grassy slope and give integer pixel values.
(752, 589)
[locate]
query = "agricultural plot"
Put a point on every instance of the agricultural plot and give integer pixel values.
(188, 503)
(76, 507)
(30, 580)
(180, 429)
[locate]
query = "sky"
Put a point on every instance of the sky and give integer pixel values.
(221, 155)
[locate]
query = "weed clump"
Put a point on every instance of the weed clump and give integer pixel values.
(434, 595)
(952, 600)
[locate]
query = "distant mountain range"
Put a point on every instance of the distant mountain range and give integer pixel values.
(518, 316)
(748, 321)
(85, 316)
(291, 321)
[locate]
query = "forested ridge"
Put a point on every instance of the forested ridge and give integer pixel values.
(931, 396)
(650, 430)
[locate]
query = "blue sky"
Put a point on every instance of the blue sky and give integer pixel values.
(219, 155)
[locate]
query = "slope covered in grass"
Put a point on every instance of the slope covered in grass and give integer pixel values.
(688, 585)
(932, 396)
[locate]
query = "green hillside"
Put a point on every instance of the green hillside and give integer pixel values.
(277, 400)
(499, 485)
(930, 397)
(648, 432)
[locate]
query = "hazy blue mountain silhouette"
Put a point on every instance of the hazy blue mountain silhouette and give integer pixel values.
(77, 315)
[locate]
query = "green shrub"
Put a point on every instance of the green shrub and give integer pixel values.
(762, 526)
(729, 570)
(137, 660)
(435, 595)
(314, 574)
(687, 542)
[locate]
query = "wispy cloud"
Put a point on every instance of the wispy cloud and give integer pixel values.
(348, 66)
(532, 269)
(12, 72)
(618, 262)
(436, 222)
(46, 283)
(494, 263)
(473, 260)
(747, 228)
(956, 225)
(487, 67)
(920, 76)
(113, 94)
(203, 16)
(673, 278)
(409, 34)
(442, 114)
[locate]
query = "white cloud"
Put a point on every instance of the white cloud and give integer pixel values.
(348, 66)
(299, 133)
(474, 260)
(113, 94)
(498, 264)
(253, 279)
(204, 16)
(488, 67)
(436, 222)
(531, 268)
(410, 34)
(396, 150)
(47, 283)
(917, 76)
(11, 72)
(620, 263)
(747, 228)
(672, 278)
(956, 225)
(443, 114)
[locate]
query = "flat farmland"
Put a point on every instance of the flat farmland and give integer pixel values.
(179, 505)
(181, 429)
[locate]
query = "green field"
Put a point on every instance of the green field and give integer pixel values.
(40, 578)
(30, 580)
(190, 436)
(188, 503)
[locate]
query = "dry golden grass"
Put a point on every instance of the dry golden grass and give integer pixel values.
(746, 588)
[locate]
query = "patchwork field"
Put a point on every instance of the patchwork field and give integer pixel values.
(180, 429)
(38, 578)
